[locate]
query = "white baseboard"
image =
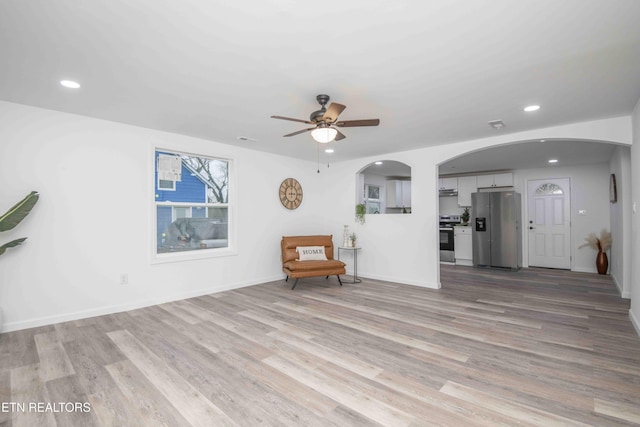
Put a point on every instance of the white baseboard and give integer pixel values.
(118, 308)
(394, 279)
(634, 322)
(625, 295)
(584, 270)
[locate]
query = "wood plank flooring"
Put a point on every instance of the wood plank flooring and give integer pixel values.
(531, 348)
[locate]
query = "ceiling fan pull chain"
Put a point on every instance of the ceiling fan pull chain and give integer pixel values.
(318, 144)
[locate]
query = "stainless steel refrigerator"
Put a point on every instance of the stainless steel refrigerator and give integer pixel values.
(497, 232)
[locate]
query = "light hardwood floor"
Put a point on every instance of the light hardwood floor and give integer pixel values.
(536, 347)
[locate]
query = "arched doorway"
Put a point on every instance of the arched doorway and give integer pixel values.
(384, 187)
(589, 163)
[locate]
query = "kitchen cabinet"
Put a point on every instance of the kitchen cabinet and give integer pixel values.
(462, 245)
(448, 184)
(466, 186)
(495, 180)
(398, 194)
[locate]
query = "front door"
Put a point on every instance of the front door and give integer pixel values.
(548, 223)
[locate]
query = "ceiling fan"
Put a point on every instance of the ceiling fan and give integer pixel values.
(325, 121)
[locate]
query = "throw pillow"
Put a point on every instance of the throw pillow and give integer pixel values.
(311, 253)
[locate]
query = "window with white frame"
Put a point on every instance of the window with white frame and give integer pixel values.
(191, 203)
(372, 199)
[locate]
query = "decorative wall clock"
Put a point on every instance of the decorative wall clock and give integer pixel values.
(290, 193)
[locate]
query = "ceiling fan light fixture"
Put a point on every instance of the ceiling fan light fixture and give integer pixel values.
(324, 135)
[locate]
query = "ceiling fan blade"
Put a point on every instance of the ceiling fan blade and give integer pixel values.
(299, 132)
(353, 123)
(332, 113)
(293, 120)
(339, 136)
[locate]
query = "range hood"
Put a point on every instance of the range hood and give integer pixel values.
(448, 192)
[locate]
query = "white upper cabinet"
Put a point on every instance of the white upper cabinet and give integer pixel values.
(448, 184)
(406, 193)
(495, 180)
(398, 194)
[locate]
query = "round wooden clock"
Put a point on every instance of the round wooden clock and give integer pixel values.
(290, 193)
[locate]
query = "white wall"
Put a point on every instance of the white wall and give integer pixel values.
(404, 248)
(620, 213)
(395, 247)
(589, 192)
(92, 221)
(634, 312)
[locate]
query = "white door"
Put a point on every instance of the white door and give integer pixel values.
(548, 223)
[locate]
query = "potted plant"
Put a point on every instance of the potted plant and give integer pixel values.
(602, 244)
(10, 219)
(465, 215)
(352, 240)
(361, 210)
(13, 217)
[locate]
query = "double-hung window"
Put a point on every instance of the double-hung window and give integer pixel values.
(192, 209)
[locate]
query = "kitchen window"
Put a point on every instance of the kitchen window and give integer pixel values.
(372, 199)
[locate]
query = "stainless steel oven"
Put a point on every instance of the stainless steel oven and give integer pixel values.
(447, 249)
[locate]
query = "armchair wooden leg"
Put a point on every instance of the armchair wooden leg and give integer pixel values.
(287, 279)
(338, 276)
(326, 278)
(294, 284)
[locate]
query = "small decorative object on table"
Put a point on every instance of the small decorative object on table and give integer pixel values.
(352, 240)
(602, 245)
(345, 236)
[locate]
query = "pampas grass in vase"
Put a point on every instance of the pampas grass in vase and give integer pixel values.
(602, 244)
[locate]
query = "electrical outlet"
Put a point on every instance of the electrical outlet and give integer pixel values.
(124, 279)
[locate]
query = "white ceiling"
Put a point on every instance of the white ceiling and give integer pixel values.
(433, 72)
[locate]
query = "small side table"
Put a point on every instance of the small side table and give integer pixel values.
(355, 260)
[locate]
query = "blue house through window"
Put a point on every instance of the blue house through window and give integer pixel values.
(186, 216)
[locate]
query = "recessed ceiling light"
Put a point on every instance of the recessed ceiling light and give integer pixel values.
(531, 108)
(378, 163)
(329, 150)
(553, 160)
(70, 84)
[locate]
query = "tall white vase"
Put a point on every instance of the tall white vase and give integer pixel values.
(345, 236)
